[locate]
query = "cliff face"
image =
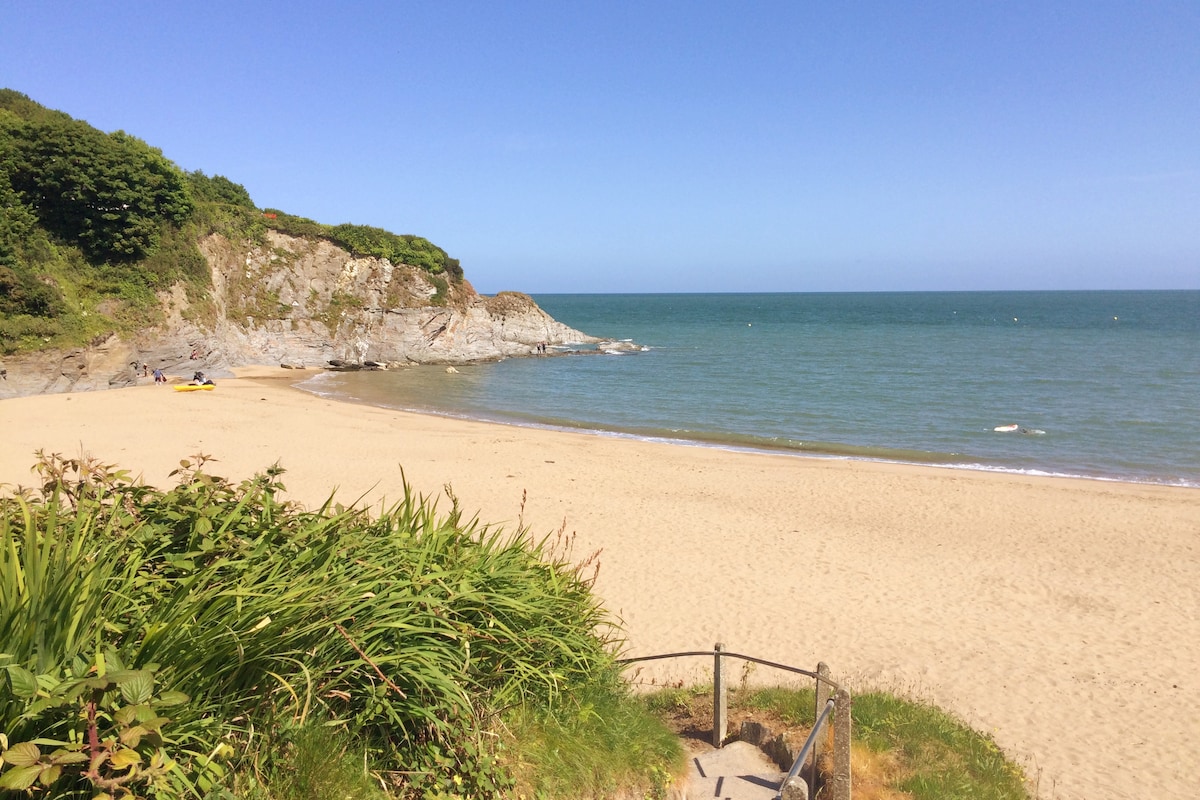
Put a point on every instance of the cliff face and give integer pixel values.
(301, 303)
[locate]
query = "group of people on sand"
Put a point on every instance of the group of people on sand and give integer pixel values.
(142, 370)
(198, 377)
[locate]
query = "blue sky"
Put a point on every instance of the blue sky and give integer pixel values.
(699, 146)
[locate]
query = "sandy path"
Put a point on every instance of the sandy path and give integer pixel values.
(1062, 616)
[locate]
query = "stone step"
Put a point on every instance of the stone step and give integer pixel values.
(738, 771)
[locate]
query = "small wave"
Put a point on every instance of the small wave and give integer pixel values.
(1014, 428)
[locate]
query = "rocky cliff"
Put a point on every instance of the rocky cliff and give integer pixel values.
(301, 303)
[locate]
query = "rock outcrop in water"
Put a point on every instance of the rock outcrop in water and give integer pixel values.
(300, 302)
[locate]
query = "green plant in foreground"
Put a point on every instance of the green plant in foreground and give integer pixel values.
(315, 761)
(115, 741)
(406, 633)
(593, 744)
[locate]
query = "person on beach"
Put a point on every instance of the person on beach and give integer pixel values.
(159, 377)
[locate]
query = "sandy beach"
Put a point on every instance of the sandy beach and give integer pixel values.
(1062, 616)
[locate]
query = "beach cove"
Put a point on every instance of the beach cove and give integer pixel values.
(1062, 616)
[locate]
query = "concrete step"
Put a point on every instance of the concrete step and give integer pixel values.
(738, 771)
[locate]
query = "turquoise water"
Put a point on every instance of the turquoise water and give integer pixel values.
(1101, 384)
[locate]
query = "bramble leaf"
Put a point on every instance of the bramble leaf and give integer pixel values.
(50, 774)
(138, 688)
(22, 754)
(68, 757)
(132, 737)
(23, 682)
(153, 724)
(20, 778)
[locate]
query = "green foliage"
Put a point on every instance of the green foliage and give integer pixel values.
(22, 331)
(339, 304)
(363, 240)
(234, 222)
(20, 293)
(301, 227)
(177, 257)
(112, 741)
(403, 632)
(107, 192)
(20, 244)
(945, 757)
(442, 294)
(20, 106)
(93, 224)
(592, 744)
(798, 706)
(316, 762)
(218, 189)
(88, 218)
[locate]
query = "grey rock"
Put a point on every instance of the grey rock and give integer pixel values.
(291, 302)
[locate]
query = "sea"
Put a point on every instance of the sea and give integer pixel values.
(1099, 384)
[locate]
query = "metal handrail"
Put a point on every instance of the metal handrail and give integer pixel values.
(727, 654)
(808, 745)
(842, 752)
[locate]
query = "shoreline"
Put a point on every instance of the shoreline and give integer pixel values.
(1059, 615)
(755, 445)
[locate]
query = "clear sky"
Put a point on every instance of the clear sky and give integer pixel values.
(684, 146)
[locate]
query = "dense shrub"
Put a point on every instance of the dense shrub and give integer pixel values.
(212, 616)
(218, 189)
(107, 192)
(364, 240)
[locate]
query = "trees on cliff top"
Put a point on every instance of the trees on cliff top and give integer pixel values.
(108, 192)
(87, 215)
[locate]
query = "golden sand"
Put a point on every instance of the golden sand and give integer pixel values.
(1061, 616)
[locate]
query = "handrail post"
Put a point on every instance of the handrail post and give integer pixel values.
(839, 782)
(720, 700)
(822, 698)
(795, 789)
(793, 786)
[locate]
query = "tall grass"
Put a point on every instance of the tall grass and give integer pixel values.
(407, 632)
(600, 742)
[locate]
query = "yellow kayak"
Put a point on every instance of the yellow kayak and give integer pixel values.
(191, 387)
